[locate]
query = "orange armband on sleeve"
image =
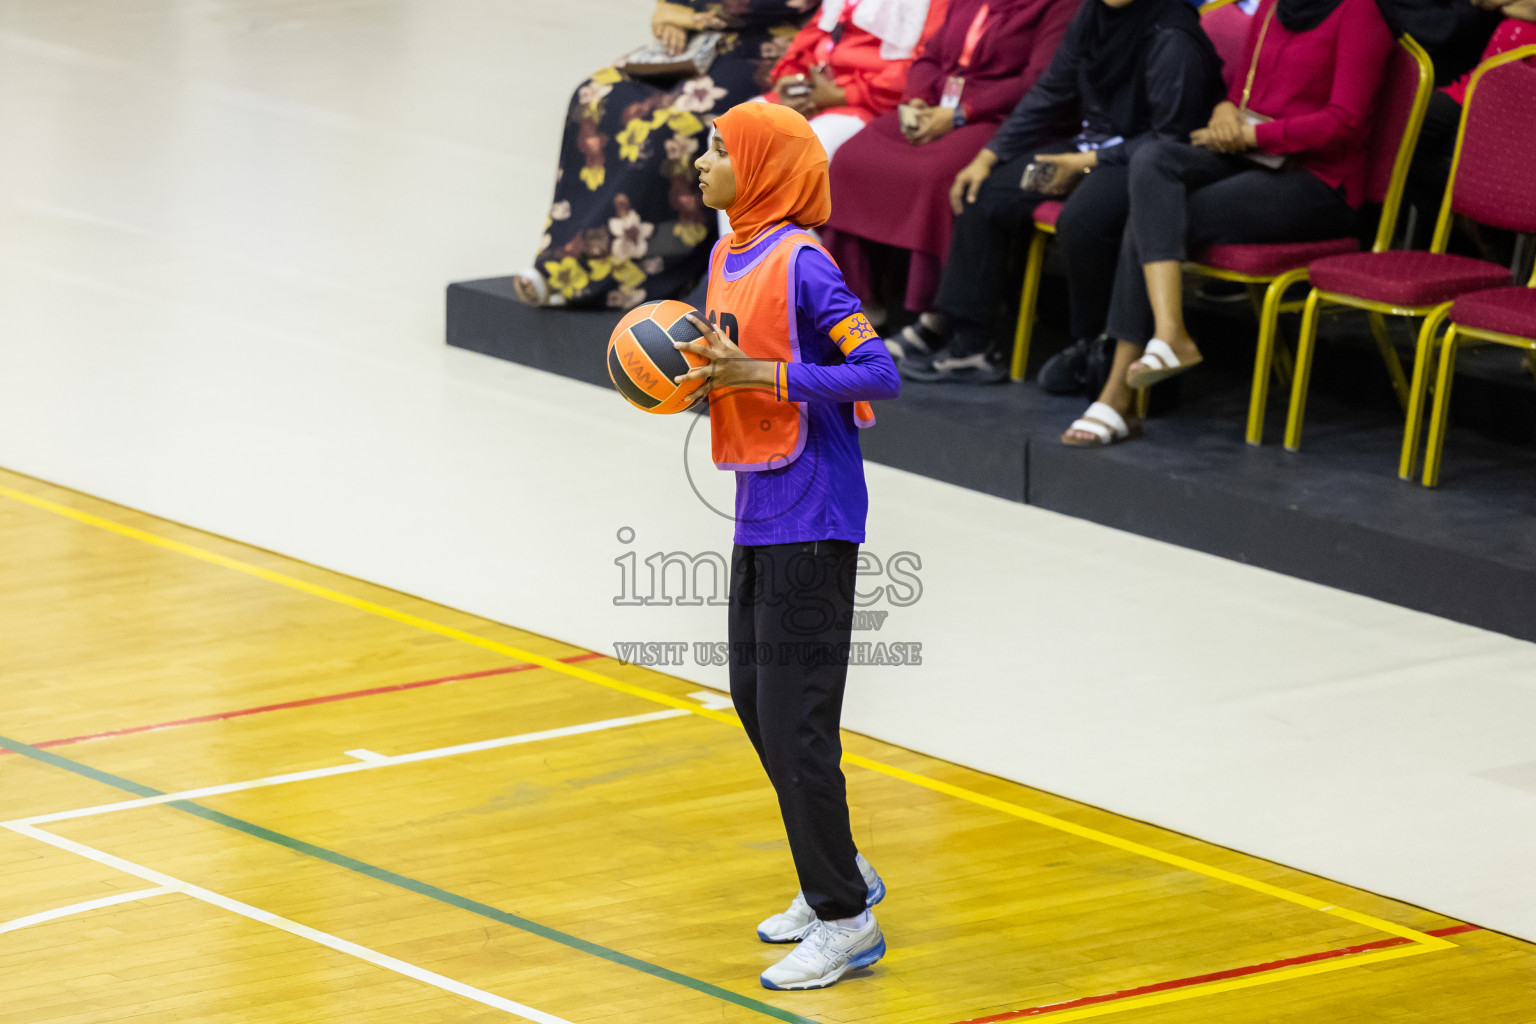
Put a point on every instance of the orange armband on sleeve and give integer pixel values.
(852, 331)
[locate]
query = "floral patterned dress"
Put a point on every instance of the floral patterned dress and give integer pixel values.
(628, 224)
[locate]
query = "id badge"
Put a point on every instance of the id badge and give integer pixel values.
(954, 85)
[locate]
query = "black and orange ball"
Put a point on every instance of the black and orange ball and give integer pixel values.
(642, 361)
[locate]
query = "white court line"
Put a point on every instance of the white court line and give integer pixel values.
(81, 908)
(351, 766)
(364, 754)
(293, 927)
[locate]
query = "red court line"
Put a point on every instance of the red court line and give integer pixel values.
(305, 702)
(1201, 979)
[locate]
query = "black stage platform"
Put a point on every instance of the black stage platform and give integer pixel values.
(1335, 513)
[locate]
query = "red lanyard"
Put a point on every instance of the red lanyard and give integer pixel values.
(973, 36)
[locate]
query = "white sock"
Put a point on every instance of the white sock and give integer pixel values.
(854, 923)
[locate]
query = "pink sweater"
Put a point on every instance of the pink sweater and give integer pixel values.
(1320, 87)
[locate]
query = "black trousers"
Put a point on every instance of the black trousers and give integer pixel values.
(791, 612)
(976, 283)
(1185, 199)
(1088, 232)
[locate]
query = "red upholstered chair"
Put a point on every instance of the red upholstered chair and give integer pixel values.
(1406, 89)
(1229, 45)
(1227, 24)
(1504, 316)
(1492, 183)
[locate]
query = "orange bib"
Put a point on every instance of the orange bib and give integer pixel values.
(750, 428)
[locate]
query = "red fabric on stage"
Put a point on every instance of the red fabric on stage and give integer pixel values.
(887, 190)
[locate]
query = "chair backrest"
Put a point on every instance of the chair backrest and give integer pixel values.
(1492, 176)
(1405, 90)
(1226, 24)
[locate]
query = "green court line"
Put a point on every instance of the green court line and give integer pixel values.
(404, 882)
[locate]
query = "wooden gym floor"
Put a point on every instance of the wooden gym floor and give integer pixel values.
(239, 788)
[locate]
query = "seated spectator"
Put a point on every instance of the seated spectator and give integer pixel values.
(1452, 32)
(890, 183)
(848, 66)
(1130, 72)
(627, 222)
(1431, 167)
(1282, 160)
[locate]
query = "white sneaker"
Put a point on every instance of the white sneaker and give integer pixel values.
(795, 923)
(828, 952)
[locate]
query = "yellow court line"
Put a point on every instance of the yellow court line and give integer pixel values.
(1426, 943)
(316, 590)
(1150, 852)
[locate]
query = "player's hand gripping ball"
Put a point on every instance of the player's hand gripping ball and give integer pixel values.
(642, 360)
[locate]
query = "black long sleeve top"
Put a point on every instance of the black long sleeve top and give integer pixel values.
(1176, 98)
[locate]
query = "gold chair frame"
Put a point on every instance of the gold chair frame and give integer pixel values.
(1266, 292)
(1434, 314)
(1434, 444)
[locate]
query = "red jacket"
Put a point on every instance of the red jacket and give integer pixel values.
(1320, 87)
(873, 85)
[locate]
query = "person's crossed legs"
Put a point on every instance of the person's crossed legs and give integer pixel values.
(1183, 200)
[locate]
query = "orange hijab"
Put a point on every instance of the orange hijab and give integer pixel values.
(781, 169)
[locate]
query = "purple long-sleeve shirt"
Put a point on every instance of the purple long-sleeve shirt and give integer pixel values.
(821, 495)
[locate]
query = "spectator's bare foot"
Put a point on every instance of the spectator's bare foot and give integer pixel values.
(1162, 360)
(1185, 348)
(530, 288)
(1102, 425)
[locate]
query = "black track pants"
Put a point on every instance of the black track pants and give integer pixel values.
(790, 620)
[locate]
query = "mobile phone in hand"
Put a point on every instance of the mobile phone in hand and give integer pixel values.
(1038, 177)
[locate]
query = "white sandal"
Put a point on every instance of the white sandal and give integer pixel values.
(536, 284)
(1157, 364)
(1105, 424)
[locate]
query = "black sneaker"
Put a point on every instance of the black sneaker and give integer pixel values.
(915, 339)
(917, 366)
(979, 368)
(1066, 372)
(1101, 359)
(1080, 368)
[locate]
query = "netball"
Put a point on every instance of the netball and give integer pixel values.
(643, 362)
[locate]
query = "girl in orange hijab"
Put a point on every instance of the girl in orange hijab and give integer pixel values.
(792, 365)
